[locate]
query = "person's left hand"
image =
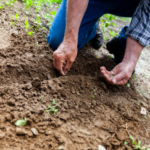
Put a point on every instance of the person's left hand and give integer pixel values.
(120, 74)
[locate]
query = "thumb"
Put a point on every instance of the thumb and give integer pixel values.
(119, 79)
(67, 66)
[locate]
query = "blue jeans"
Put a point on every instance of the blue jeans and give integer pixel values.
(87, 31)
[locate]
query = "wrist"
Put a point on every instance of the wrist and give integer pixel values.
(71, 36)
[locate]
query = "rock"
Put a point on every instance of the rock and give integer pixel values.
(8, 117)
(2, 135)
(128, 147)
(63, 92)
(11, 102)
(61, 148)
(115, 142)
(34, 131)
(2, 119)
(36, 82)
(101, 147)
(20, 131)
(30, 133)
(73, 90)
(28, 86)
(38, 110)
(121, 135)
(42, 123)
(48, 77)
(65, 116)
(48, 133)
(143, 111)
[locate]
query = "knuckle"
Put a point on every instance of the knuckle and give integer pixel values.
(71, 60)
(54, 54)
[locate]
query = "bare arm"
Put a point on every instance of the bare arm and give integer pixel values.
(75, 13)
(123, 71)
(65, 55)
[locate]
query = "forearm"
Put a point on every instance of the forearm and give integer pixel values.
(133, 51)
(75, 13)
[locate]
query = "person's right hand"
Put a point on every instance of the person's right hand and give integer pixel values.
(64, 56)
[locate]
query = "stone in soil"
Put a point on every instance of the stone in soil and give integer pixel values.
(20, 131)
(2, 135)
(34, 131)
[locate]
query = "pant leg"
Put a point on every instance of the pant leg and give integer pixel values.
(87, 31)
(124, 8)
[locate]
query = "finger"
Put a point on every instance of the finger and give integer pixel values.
(58, 64)
(120, 79)
(122, 82)
(67, 66)
(104, 71)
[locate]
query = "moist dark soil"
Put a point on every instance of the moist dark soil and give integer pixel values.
(90, 111)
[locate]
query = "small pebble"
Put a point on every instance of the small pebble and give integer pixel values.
(101, 147)
(34, 131)
(20, 131)
(2, 135)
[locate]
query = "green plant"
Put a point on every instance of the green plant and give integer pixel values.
(125, 142)
(93, 94)
(12, 23)
(21, 122)
(16, 17)
(52, 108)
(111, 56)
(1, 6)
(138, 145)
(27, 26)
(10, 3)
(42, 98)
(112, 33)
(133, 141)
(128, 85)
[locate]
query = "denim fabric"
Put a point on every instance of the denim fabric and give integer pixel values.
(87, 31)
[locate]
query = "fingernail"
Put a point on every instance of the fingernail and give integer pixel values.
(114, 81)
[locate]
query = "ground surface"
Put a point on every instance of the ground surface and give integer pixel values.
(90, 112)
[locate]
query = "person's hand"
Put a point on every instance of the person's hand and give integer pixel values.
(120, 74)
(64, 57)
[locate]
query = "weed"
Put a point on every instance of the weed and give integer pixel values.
(30, 33)
(27, 26)
(125, 142)
(21, 122)
(134, 76)
(16, 17)
(1, 6)
(112, 33)
(42, 98)
(128, 85)
(138, 145)
(12, 23)
(111, 56)
(52, 108)
(93, 94)
(132, 138)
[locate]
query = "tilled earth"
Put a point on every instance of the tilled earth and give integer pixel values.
(90, 111)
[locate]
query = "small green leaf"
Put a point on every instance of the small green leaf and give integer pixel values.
(30, 33)
(125, 142)
(53, 103)
(128, 85)
(53, 13)
(21, 122)
(42, 98)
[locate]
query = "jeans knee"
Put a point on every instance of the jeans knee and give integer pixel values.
(54, 40)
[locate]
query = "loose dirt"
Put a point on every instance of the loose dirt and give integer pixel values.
(90, 111)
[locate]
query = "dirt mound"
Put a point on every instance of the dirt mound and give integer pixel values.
(90, 111)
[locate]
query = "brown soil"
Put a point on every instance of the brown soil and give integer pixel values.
(90, 111)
